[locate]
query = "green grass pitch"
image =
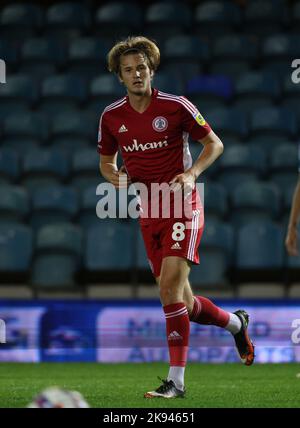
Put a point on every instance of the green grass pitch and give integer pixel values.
(123, 385)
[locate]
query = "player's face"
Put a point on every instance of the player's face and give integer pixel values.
(135, 73)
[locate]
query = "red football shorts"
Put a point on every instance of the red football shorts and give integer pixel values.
(172, 237)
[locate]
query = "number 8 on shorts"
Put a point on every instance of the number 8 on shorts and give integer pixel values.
(178, 231)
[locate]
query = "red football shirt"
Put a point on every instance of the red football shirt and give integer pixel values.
(153, 144)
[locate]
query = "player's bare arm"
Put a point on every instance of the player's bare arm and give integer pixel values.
(109, 170)
(292, 235)
(213, 148)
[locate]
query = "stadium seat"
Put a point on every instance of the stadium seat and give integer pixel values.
(163, 82)
(109, 249)
(21, 144)
(92, 195)
(254, 90)
(105, 89)
(295, 17)
(44, 167)
(67, 20)
(185, 49)
(88, 202)
(215, 201)
(57, 256)
(277, 51)
(291, 92)
(63, 92)
(87, 56)
(75, 125)
(183, 58)
(216, 18)
(9, 166)
(116, 20)
(233, 55)
(240, 164)
(14, 204)
(55, 204)
(166, 19)
(264, 17)
(9, 53)
(278, 123)
(19, 92)
(228, 123)
(283, 166)
(85, 169)
(215, 256)
(208, 88)
(255, 201)
(41, 57)
(16, 247)
(20, 18)
(260, 252)
(27, 125)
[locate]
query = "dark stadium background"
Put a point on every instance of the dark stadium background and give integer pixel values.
(61, 268)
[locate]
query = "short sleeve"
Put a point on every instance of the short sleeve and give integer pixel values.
(107, 144)
(192, 120)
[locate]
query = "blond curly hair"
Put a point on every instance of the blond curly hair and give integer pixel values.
(138, 44)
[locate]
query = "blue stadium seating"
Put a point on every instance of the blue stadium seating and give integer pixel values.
(57, 256)
(274, 122)
(295, 17)
(18, 18)
(42, 168)
(62, 92)
(284, 166)
(14, 204)
(184, 57)
(9, 53)
(255, 201)
(85, 169)
(42, 57)
(233, 55)
(9, 166)
(254, 90)
(55, 204)
(68, 20)
(215, 201)
(291, 92)
(87, 56)
(16, 247)
(260, 251)
(210, 87)
(228, 123)
(108, 248)
(18, 93)
(116, 20)
(163, 82)
(215, 256)
(106, 89)
(33, 125)
(216, 18)
(240, 164)
(75, 125)
(88, 202)
(166, 19)
(264, 17)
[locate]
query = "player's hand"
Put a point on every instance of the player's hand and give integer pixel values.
(119, 179)
(185, 181)
(291, 241)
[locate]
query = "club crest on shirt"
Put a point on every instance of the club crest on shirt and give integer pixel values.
(199, 119)
(160, 124)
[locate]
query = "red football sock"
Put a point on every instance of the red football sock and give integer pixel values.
(178, 332)
(205, 312)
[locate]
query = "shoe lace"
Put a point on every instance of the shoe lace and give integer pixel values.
(166, 384)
